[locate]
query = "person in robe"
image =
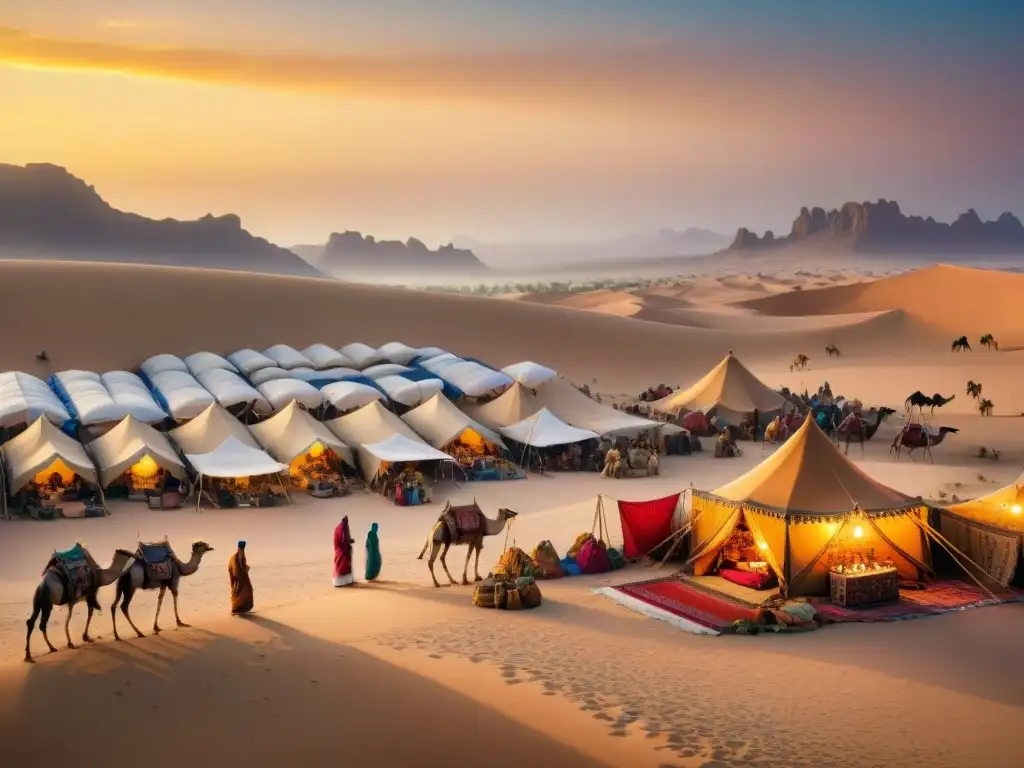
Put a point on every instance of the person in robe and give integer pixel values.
(241, 586)
(373, 559)
(343, 554)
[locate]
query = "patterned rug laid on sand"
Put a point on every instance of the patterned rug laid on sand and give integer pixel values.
(933, 599)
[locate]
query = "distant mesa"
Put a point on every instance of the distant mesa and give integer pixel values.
(352, 254)
(47, 213)
(882, 228)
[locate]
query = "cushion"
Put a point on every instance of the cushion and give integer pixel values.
(748, 579)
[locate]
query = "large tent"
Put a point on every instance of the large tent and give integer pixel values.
(209, 429)
(348, 395)
(292, 433)
(287, 357)
(24, 398)
(529, 373)
(280, 392)
(234, 459)
(41, 450)
(87, 398)
(440, 423)
(802, 501)
(133, 445)
(729, 388)
(129, 391)
(162, 363)
(232, 391)
(990, 531)
(407, 392)
(362, 355)
(370, 430)
(397, 352)
(183, 396)
(198, 362)
(514, 405)
(248, 361)
(544, 430)
(323, 356)
(575, 408)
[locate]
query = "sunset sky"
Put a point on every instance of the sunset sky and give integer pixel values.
(518, 120)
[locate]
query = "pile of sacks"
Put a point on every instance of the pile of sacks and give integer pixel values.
(588, 554)
(507, 592)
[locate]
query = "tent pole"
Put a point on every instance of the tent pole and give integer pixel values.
(199, 493)
(284, 488)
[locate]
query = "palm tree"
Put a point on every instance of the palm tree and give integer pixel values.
(974, 389)
(989, 341)
(985, 407)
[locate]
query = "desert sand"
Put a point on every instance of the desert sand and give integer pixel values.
(399, 673)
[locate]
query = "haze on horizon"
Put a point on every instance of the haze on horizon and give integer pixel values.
(538, 120)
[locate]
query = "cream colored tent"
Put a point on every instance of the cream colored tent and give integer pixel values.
(209, 429)
(41, 450)
(130, 443)
(439, 422)
(514, 405)
(292, 433)
(730, 388)
(802, 502)
(372, 425)
(990, 531)
(575, 408)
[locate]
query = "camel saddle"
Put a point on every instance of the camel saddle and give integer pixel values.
(74, 569)
(157, 559)
(467, 520)
(914, 431)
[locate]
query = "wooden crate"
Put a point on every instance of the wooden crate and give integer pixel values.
(865, 588)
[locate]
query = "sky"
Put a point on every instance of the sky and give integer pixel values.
(518, 121)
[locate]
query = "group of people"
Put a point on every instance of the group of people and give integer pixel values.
(242, 601)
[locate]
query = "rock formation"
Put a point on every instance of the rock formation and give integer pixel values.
(47, 213)
(881, 227)
(354, 255)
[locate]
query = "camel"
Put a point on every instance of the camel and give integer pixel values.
(800, 362)
(832, 349)
(859, 429)
(973, 389)
(462, 525)
(155, 566)
(961, 344)
(55, 589)
(920, 400)
(989, 342)
(914, 436)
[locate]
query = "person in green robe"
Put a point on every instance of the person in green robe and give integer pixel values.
(373, 559)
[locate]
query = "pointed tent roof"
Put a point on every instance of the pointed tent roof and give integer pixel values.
(809, 475)
(730, 385)
(575, 408)
(233, 458)
(370, 424)
(440, 422)
(292, 432)
(209, 429)
(125, 444)
(37, 448)
(514, 405)
(543, 429)
(996, 508)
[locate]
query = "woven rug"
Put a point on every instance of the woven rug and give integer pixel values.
(936, 598)
(688, 601)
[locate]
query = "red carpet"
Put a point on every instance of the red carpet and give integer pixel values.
(936, 598)
(686, 600)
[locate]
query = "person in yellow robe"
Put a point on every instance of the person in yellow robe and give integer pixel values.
(241, 586)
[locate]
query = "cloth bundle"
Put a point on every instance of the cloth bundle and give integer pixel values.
(510, 594)
(545, 556)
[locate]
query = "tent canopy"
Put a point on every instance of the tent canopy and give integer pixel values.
(280, 392)
(323, 356)
(575, 408)
(346, 395)
(248, 361)
(88, 398)
(396, 352)
(384, 369)
(24, 398)
(131, 393)
(162, 363)
(361, 355)
(407, 392)
(400, 448)
(371, 425)
(990, 530)
(231, 390)
(544, 429)
(528, 373)
(1003, 508)
(184, 396)
(440, 422)
(729, 385)
(39, 446)
(209, 429)
(198, 362)
(292, 432)
(510, 408)
(233, 458)
(127, 443)
(287, 357)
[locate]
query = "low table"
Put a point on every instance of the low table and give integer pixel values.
(857, 588)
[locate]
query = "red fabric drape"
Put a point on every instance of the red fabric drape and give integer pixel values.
(645, 524)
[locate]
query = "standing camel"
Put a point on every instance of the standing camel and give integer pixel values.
(69, 578)
(155, 566)
(914, 436)
(921, 401)
(832, 349)
(989, 342)
(961, 344)
(859, 429)
(462, 525)
(800, 362)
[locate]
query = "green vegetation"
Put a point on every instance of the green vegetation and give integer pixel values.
(567, 287)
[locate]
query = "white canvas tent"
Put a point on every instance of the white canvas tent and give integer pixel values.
(323, 356)
(407, 392)
(40, 448)
(529, 374)
(263, 375)
(346, 395)
(151, 366)
(198, 362)
(426, 353)
(514, 405)
(397, 448)
(280, 392)
(361, 355)
(288, 357)
(544, 429)
(385, 369)
(730, 388)
(129, 392)
(89, 398)
(439, 422)
(24, 398)
(373, 424)
(248, 361)
(186, 398)
(396, 352)
(208, 430)
(291, 434)
(474, 379)
(440, 362)
(232, 459)
(129, 443)
(575, 408)
(231, 390)
(327, 374)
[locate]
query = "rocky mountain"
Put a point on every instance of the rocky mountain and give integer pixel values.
(47, 213)
(357, 256)
(881, 227)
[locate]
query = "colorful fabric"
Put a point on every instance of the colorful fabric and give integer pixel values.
(373, 558)
(994, 551)
(593, 557)
(646, 524)
(684, 599)
(343, 554)
(241, 586)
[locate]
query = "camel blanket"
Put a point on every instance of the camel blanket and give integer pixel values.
(994, 550)
(73, 565)
(463, 521)
(156, 557)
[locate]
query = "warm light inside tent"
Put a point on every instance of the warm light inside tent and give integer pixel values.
(763, 545)
(66, 473)
(858, 532)
(145, 467)
(470, 438)
(1015, 509)
(316, 450)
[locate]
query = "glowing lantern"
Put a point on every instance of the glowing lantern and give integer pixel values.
(1015, 509)
(316, 450)
(858, 532)
(145, 467)
(763, 545)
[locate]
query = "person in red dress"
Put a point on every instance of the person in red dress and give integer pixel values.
(343, 554)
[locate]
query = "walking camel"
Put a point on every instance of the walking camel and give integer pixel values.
(961, 345)
(800, 362)
(859, 429)
(914, 436)
(155, 566)
(69, 578)
(920, 401)
(832, 349)
(462, 525)
(989, 342)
